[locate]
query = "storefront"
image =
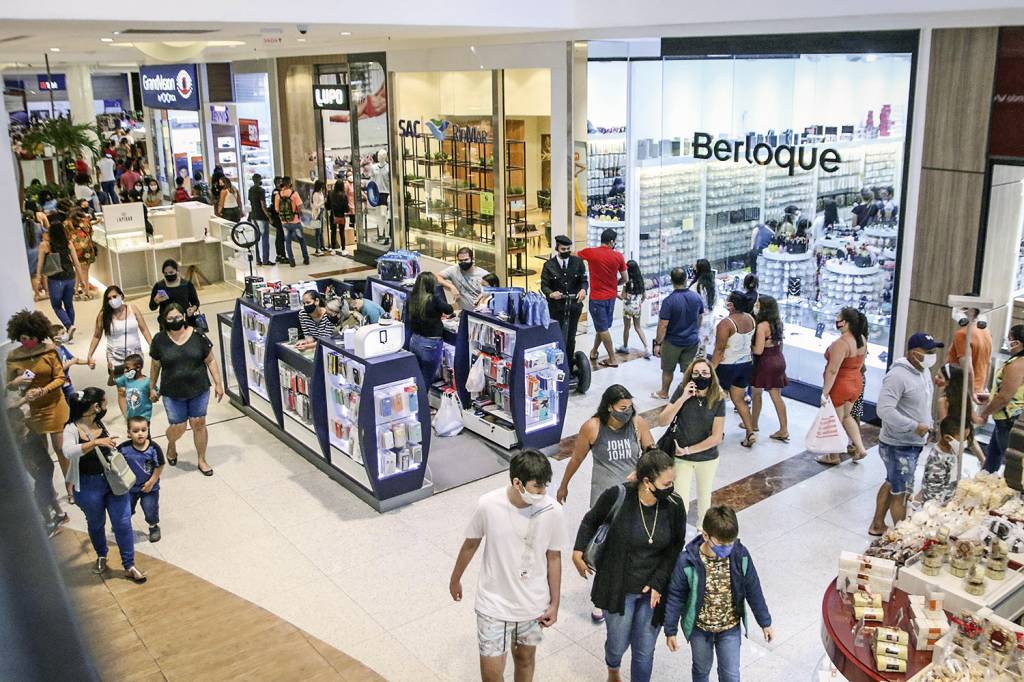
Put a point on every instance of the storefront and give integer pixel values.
(324, 144)
(170, 93)
(254, 83)
(476, 156)
(692, 148)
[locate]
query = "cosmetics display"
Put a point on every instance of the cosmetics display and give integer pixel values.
(525, 394)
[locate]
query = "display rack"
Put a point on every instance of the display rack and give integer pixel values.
(524, 401)
(225, 326)
(517, 229)
(606, 161)
(669, 210)
(788, 277)
(295, 377)
(733, 198)
(255, 334)
(782, 190)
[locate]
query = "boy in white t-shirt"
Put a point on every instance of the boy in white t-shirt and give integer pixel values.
(520, 580)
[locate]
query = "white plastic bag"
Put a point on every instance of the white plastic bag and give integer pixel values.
(827, 434)
(448, 420)
(476, 381)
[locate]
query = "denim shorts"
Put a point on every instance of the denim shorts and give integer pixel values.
(900, 463)
(495, 637)
(602, 313)
(737, 375)
(180, 410)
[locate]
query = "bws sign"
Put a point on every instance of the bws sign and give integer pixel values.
(330, 97)
(172, 86)
(783, 155)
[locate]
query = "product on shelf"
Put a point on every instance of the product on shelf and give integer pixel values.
(399, 434)
(254, 329)
(344, 380)
(670, 216)
(860, 573)
(295, 394)
(540, 369)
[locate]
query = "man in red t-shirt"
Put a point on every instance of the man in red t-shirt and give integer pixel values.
(607, 272)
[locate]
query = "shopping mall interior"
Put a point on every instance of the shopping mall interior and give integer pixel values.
(369, 343)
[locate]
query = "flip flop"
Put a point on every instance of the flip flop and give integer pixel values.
(781, 439)
(876, 535)
(593, 358)
(820, 459)
(605, 363)
(659, 397)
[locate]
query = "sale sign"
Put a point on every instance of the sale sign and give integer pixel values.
(249, 132)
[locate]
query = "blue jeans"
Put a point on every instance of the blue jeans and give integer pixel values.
(294, 231)
(150, 505)
(632, 629)
(997, 446)
(428, 354)
(705, 645)
(264, 227)
(900, 464)
(110, 189)
(180, 410)
(62, 299)
(97, 501)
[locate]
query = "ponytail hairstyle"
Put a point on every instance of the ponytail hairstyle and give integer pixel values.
(704, 278)
(652, 464)
(857, 323)
(81, 401)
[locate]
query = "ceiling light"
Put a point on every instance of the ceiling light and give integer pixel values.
(301, 40)
(346, 33)
(117, 33)
(871, 57)
(106, 40)
(54, 49)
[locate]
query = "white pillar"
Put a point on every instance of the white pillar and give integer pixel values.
(79, 82)
(14, 276)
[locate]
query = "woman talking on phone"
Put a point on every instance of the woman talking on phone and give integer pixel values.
(171, 289)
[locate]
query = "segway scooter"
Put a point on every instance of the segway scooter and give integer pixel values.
(579, 363)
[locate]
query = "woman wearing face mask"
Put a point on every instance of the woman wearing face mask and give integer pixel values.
(152, 198)
(35, 371)
(1007, 403)
(314, 322)
(644, 540)
(183, 365)
(86, 440)
(62, 284)
(843, 381)
(733, 358)
(171, 289)
(696, 421)
(122, 323)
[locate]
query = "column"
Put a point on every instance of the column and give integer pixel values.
(14, 276)
(79, 80)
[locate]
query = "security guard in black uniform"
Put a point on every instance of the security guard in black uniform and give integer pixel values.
(563, 279)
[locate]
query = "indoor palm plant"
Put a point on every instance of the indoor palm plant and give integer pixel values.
(66, 138)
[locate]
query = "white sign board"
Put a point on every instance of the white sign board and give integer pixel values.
(120, 218)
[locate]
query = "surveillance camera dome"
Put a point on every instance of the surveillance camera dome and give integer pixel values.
(303, 28)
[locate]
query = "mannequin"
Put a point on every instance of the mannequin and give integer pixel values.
(380, 174)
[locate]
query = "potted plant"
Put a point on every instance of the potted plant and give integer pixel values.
(67, 139)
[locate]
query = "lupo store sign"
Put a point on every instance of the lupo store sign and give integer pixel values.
(170, 86)
(784, 155)
(330, 97)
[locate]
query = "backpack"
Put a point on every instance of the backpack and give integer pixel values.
(286, 207)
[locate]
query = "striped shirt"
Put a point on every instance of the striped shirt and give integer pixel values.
(313, 329)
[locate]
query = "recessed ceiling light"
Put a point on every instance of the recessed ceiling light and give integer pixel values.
(54, 49)
(346, 33)
(117, 33)
(106, 40)
(301, 40)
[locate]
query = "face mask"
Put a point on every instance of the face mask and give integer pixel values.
(62, 338)
(176, 325)
(721, 551)
(564, 254)
(530, 498)
(130, 374)
(465, 265)
(928, 361)
(30, 344)
(100, 413)
(702, 383)
(622, 415)
(310, 308)
(953, 444)
(661, 494)
(171, 277)
(839, 326)
(116, 302)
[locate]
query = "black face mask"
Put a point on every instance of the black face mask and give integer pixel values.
(564, 254)
(465, 265)
(171, 277)
(176, 324)
(310, 308)
(662, 493)
(702, 383)
(100, 413)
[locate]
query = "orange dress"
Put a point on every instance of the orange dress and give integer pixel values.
(849, 382)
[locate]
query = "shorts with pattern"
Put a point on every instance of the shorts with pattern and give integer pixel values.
(900, 464)
(631, 307)
(495, 637)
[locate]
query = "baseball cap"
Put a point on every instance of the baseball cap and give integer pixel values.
(924, 342)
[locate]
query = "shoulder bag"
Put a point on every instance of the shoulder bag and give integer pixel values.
(667, 441)
(52, 265)
(119, 475)
(595, 548)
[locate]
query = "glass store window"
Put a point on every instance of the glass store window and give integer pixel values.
(810, 147)
(252, 103)
(602, 194)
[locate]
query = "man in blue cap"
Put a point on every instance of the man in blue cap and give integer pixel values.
(905, 409)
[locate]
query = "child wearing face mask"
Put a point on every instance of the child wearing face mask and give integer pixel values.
(133, 390)
(940, 469)
(67, 358)
(719, 569)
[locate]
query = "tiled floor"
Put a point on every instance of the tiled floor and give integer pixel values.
(273, 529)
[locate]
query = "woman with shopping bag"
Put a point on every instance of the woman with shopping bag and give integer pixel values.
(843, 381)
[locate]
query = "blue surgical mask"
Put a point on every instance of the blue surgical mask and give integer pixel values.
(720, 551)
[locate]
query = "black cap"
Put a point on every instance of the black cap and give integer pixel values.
(562, 240)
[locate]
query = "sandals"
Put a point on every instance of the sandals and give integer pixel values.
(826, 460)
(749, 441)
(659, 397)
(782, 438)
(605, 363)
(593, 358)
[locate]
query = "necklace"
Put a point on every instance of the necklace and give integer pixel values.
(643, 518)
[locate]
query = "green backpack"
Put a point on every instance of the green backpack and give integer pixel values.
(286, 208)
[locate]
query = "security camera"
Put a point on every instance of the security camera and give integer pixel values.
(303, 28)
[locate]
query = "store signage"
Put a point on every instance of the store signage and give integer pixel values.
(171, 86)
(441, 130)
(1007, 133)
(14, 84)
(219, 114)
(249, 132)
(118, 218)
(56, 81)
(763, 154)
(330, 97)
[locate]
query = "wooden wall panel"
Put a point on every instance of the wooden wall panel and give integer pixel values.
(930, 318)
(946, 238)
(960, 77)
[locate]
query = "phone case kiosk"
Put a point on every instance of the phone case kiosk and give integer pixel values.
(373, 416)
(524, 401)
(295, 370)
(255, 333)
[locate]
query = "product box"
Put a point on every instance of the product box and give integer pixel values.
(928, 623)
(863, 582)
(852, 562)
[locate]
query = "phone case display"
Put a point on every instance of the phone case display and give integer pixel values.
(255, 333)
(669, 211)
(399, 433)
(343, 385)
(391, 296)
(295, 401)
(525, 395)
(255, 326)
(225, 323)
(733, 200)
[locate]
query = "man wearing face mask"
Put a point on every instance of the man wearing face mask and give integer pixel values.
(905, 409)
(563, 281)
(463, 280)
(519, 588)
(314, 322)
(1007, 404)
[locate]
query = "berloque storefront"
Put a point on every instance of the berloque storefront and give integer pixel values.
(785, 155)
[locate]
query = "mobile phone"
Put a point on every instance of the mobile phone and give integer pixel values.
(28, 374)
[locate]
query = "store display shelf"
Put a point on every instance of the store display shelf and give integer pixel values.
(603, 224)
(851, 269)
(1005, 597)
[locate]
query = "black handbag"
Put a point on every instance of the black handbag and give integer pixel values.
(52, 265)
(595, 548)
(667, 441)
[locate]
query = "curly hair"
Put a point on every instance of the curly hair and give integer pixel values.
(30, 323)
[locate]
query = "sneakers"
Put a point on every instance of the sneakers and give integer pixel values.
(135, 575)
(154, 533)
(101, 565)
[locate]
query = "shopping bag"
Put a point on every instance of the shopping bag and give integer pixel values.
(826, 434)
(476, 381)
(448, 420)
